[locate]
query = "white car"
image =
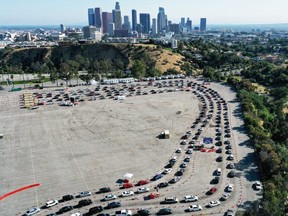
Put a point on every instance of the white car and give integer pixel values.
(110, 197)
(230, 157)
(214, 203)
(32, 211)
(76, 214)
(179, 150)
(190, 198)
(230, 188)
(189, 151)
(174, 159)
(123, 212)
(224, 197)
(142, 190)
(127, 193)
(166, 171)
(193, 208)
(84, 194)
(175, 179)
(51, 203)
(257, 185)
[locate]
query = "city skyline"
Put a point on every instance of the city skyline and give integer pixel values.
(72, 12)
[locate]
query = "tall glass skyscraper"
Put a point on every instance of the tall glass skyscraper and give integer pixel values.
(117, 6)
(162, 20)
(91, 19)
(145, 22)
(117, 19)
(106, 19)
(134, 19)
(98, 17)
(203, 24)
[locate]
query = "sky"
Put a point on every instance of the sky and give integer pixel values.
(74, 12)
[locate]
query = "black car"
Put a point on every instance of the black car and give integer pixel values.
(105, 190)
(67, 197)
(103, 214)
(95, 210)
(219, 150)
(165, 211)
(219, 159)
(143, 212)
(162, 185)
(231, 174)
(65, 209)
(113, 205)
(52, 214)
(84, 202)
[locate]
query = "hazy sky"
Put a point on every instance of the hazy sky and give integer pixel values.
(69, 12)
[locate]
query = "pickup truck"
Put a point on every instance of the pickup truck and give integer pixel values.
(124, 212)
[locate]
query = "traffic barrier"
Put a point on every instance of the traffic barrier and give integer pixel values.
(18, 190)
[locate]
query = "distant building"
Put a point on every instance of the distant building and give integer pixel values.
(196, 28)
(118, 19)
(183, 24)
(145, 22)
(134, 19)
(117, 6)
(174, 44)
(98, 17)
(154, 26)
(62, 28)
(111, 28)
(175, 28)
(106, 19)
(89, 32)
(203, 24)
(189, 24)
(121, 33)
(126, 25)
(91, 17)
(162, 20)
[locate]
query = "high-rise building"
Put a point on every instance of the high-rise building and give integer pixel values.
(189, 24)
(203, 24)
(62, 28)
(118, 19)
(154, 26)
(145, 22)
(182, 23)
(106, 19)
(117, 6)
(175, 28)
(98, 17)
(162, 20)
(111, 28)
(91, 17)
(134, 19)
(89, 31)
(126, 25)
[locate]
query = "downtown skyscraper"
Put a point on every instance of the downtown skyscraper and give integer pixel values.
(98, 17)
(162, 21)
(117, 19)
(203, 24)
(145, 22)
(91, 17)
(134, 20)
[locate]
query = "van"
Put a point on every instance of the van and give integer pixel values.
(171, 200)
(218, 171)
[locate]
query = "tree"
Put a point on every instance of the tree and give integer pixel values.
(138, 69)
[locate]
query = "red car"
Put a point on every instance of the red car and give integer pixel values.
(143, 182)
(212, 190)
(128, 185)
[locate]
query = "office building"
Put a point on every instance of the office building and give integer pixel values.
(175, 28)
(126, 25)
(189, 24)
(98, 17)
(145, 22)
(111, 28)
(106, 19)
(182, 23)
(154, 26)
(134, 19)
(117, 6)
(118, 19)
(162, 21)
(91, 17)
(203, 24)
(62, 28)
(89, 32)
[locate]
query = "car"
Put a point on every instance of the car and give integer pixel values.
(103, 214)
(168, 170)
(214, 203)
(228, 146)
(212, 190)
(174, 159)
(229, 151)
(230, 157)
(170, 164)
(227, 142)
(156, 177)
(190, 198)
(231, 174)
(95, 210)
(84, 194)
(229, 188)
(216, 180)
(64, 209)
(67, 197)
(123, 212)
(143, 182)
(76, 214)
(218, 172)
(105, 190)
(165, 211)
(113, 205)
(189, 151)
(32, 211)
(169, 200)
(257, 185)
(162, 185)
(128, 185)
(219, 150)
(143, 212)
(52, 214)
(193, 208)
(231, 166)
(127, 193)
(230, 212)
(84, 202)
(142, 190)
(219, 159)
(187, 159)
(51, 203)
(183, 165)
(175, 179)
(110, 197)
(179, 150)
(224, 197)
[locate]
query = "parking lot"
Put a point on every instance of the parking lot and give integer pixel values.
(92, 145)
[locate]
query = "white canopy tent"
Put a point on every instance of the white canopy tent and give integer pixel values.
(128, 176)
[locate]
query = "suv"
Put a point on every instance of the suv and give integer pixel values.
(84, 202)
(104, 190)
(95, 210)
(171, 200)
(65, 209)
(32, 211)
(67, 197)
(84, 194)
(218, 172)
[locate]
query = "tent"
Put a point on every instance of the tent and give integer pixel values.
(128, 176)
(93, 83)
